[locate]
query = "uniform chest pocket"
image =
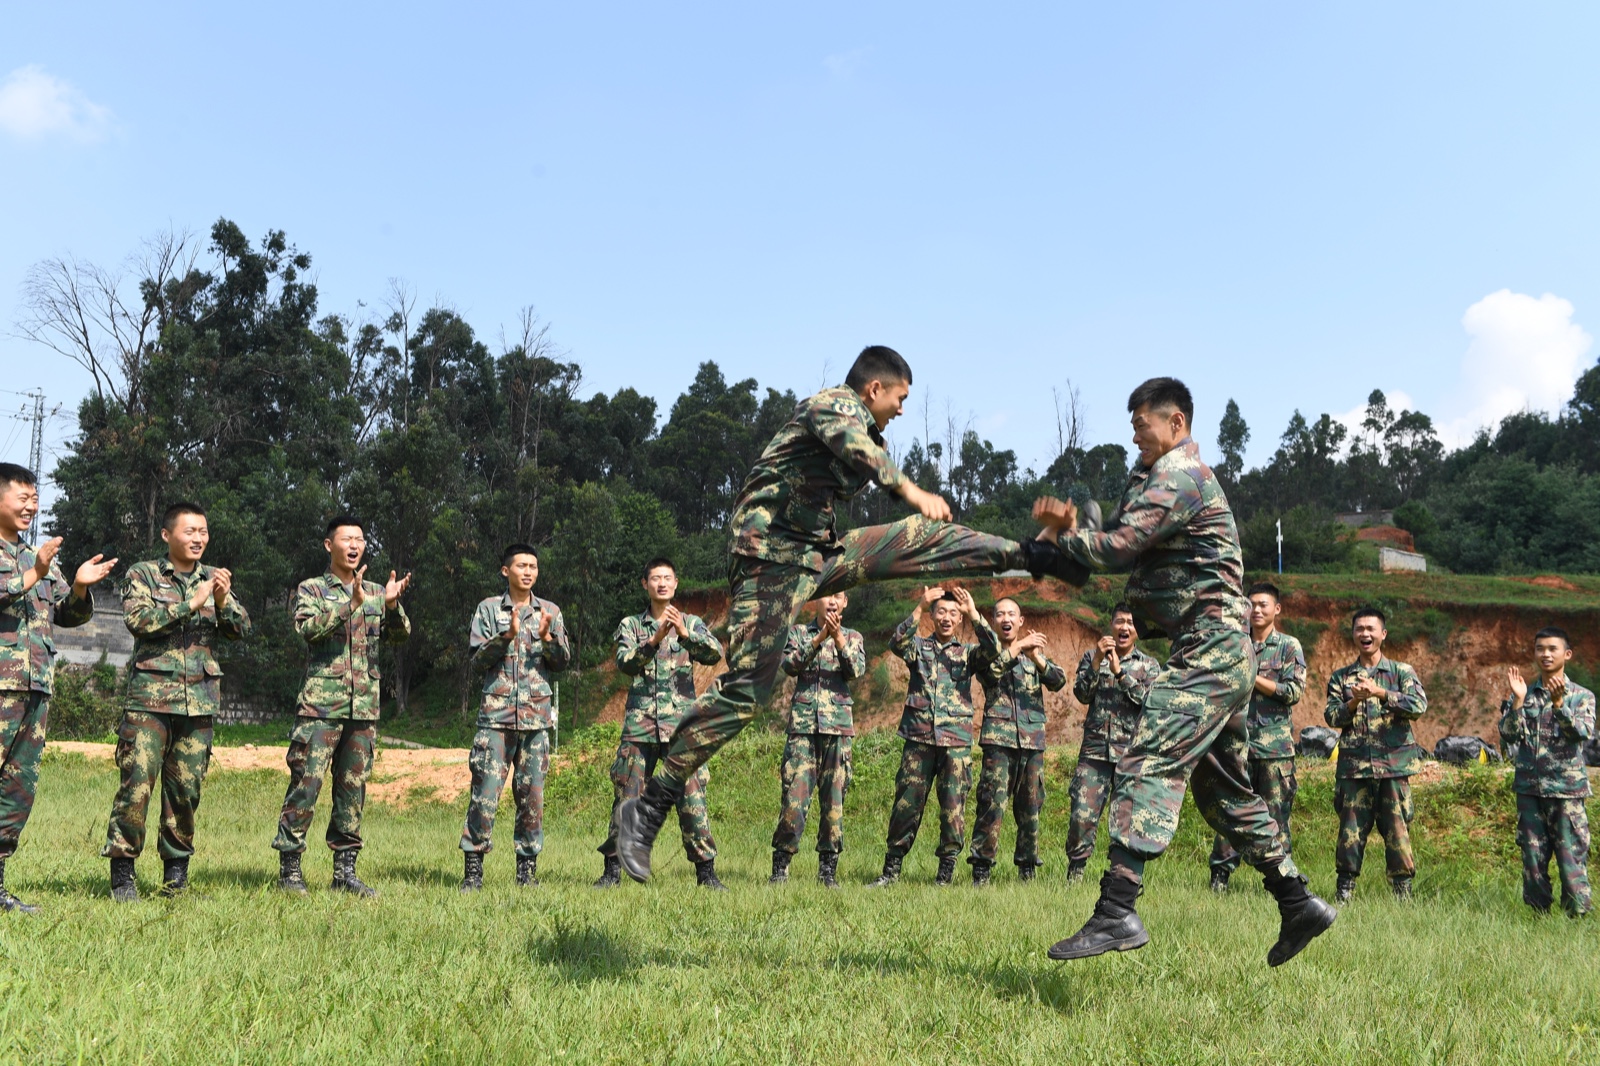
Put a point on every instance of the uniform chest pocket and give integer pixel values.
(166, 594)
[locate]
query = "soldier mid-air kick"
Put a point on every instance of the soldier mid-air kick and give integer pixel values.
(517, 641)
(343, 618)
(1174, 533)
(786, 550)
(177, 608)
(34, 593)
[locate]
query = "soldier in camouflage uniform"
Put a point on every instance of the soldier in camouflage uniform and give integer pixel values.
(343, 618)
(659, 649)
(1112, 680)
(33, 591)
(1174, 532)
(1012, 742)
(787, 551)
(823, 658)
(1280, 682)
(177, 608)
(936, 725)
(517, 641)
(1372, 702)
(1544, 726)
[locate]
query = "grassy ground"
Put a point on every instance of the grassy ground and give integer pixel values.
(666, 973)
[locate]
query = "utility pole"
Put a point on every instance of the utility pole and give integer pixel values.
(35, 444)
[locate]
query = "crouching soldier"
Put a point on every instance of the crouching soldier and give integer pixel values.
(518, 640)
(823, 657)
(1545, 725)
(177, 609)
(343, 618)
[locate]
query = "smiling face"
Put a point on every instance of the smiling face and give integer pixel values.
(660, 584)
(1007, 619)
(1264, 611)
(1124, 632)
(946, 616)
(1368, 632)
(885, 401)
(521, 572)
(1156, 431)
(1552, 655)
(19, 503)
(346, 545)
(186, 540)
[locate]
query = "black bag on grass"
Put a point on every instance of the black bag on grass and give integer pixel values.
(1458, 750)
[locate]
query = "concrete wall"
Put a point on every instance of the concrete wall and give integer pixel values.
(1391, 559)
(103, 634)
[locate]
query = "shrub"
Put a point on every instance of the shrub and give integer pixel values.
(85, 705)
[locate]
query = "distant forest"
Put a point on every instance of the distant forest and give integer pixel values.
(217, 378)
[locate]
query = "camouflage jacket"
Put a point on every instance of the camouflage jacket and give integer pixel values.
(173, 669)
(1546, 742)
(342, 664)
(829, 450)
(1375, 739)
(1115, 703)
(938, 708)
(27, 650)
(1013, 698)
(1174, 534)
(821, 702)
(1279, 658)
(516, 680)
(663, 677)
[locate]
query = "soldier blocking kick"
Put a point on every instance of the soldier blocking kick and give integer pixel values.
(823, 658)
(1544, 726)
(517, 641)
(1372, 702)
(786, 551)
(1174, 532)
(343, 618)
(1280, 682)
(177, 608)
(33, 593)
(936, 725)
(1012, 742)
(1112, 680)
(659, 650)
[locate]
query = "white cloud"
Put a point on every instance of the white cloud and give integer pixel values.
(34, 104)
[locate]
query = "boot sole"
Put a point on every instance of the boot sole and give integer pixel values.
(1132, 943)
(628, 844)
(1282, 951)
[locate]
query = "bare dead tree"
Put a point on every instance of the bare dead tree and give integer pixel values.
(1070, 416)
(533, 398)
(401, 302)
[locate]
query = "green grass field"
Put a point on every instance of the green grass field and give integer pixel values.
(667, 973)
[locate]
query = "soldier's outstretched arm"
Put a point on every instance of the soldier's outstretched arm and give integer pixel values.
(703, 646)
(841, 428)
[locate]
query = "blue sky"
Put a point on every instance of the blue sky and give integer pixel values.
(1285, 204)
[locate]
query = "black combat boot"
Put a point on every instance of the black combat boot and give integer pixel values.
(1042, 558)
(891, 872)
(472, 871)
(705, 875)
(611, 875)
(828, 869)
(1027, 870)
(174, 877)
(344, 875)
(1219, 881)
(980, 873)
(8, 902)
(1302, 917)
(638, 823)
(1075, 872)
(780, 867)
(947, 871)
(1114, 925)
(1346, 889)
(1402, 887)
(527, 871)
(123, 887)
(289, 877)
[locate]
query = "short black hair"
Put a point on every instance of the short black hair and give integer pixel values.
(878, 363)
(171, 515)
(1369, 611)
(513, 550)
(345, 520)
(1553, 631)
(655, 564)
(948, 597)
(1122, 608)
(1008, 599)
(1265, 588)
(12, 474)
(1164, 392)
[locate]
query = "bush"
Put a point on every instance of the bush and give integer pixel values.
(85, 705)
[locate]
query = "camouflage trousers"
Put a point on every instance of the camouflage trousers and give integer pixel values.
(1274, 781)
(24, 717)
(813, 763)
(920, 764)
(1363, 801)
(524, 755)
(636, 761)
(1554, 827)
(316, 746)
(1192, 730)
(176, 746)
(1014, 775)
(765, 597)
(1087, 795)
